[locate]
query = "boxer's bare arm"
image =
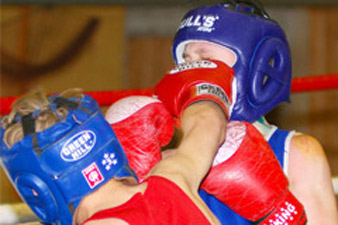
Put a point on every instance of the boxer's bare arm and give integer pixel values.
(203, 127)
(310, 180)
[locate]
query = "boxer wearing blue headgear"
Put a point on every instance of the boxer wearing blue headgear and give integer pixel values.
(262, 61)
(242, 35)
(67, 151)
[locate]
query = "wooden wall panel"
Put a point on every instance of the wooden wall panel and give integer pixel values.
(36, 35)
(148, 59)
(323, 109)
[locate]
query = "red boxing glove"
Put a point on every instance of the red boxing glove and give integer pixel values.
(143, 125)
(190, 82)
(247, 177)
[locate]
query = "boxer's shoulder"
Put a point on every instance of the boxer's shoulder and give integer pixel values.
(306, 144)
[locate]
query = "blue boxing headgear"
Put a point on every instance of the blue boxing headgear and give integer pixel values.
(54, 169)
(263, 66)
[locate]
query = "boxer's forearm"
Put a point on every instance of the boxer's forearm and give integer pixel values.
(203, 127)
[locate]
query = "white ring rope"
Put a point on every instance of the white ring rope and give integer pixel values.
(16, 213)
(335, 184)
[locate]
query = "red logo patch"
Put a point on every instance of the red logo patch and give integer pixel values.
(92, 175)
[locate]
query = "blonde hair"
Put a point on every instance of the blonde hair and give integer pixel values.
(34, 102)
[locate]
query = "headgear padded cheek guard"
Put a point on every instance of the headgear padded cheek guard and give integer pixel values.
(53, 169)
(263, 66)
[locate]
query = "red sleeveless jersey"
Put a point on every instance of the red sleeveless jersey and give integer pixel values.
(163, 203)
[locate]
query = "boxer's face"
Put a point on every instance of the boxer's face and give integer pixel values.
(205, 50)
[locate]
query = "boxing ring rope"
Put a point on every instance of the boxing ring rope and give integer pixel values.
(12, 213)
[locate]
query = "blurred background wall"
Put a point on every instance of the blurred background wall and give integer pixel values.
(112, 47)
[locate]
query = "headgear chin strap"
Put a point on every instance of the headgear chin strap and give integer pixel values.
(53, 169)
(263, 66)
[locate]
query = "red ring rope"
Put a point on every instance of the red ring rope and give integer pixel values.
(106, 98)
(314, 83)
